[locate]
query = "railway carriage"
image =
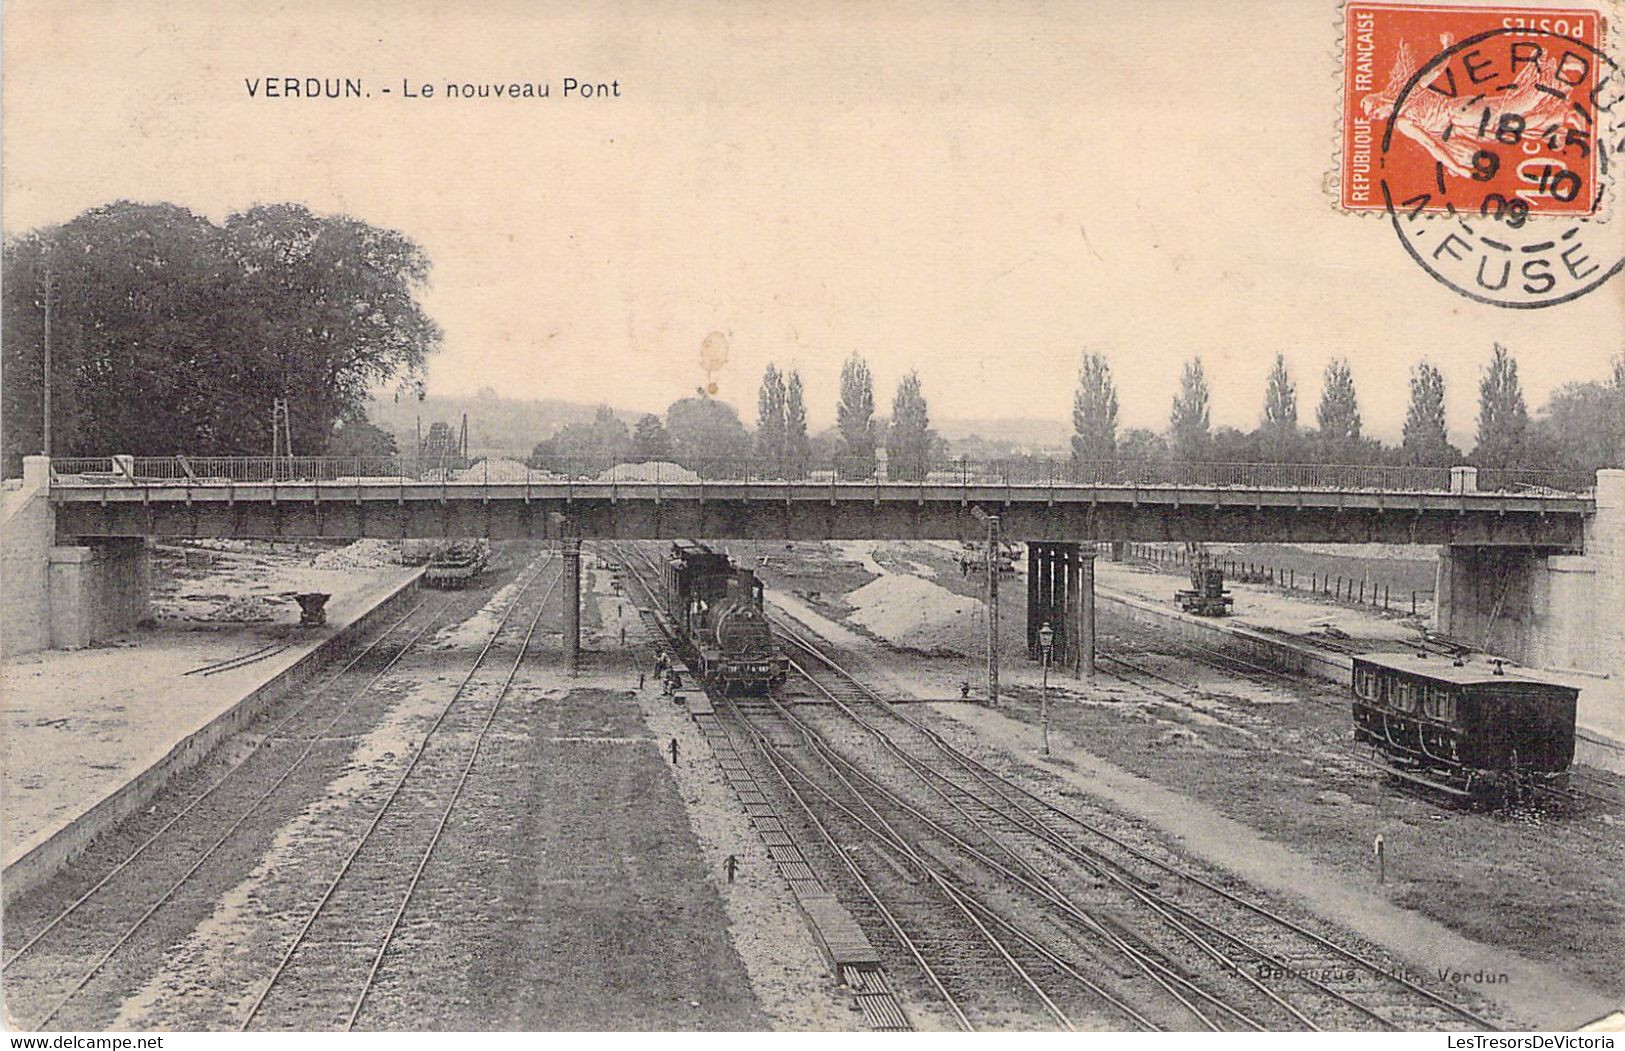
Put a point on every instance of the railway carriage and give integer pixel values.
(1472, 730)
(716, 613)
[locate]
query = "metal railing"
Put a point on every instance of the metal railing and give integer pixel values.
(1022, 472)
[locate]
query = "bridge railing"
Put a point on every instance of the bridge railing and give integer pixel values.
(1024, 472)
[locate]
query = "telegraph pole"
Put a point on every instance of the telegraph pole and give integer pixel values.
(45, 425)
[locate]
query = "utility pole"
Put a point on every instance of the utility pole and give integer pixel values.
(45, 424)
(992, 564)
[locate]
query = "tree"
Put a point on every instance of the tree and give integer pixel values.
(1278, 430)
(909, 439)
(585, 449)
(797, 449)
(1503, 419)
(854, 417)
(770, 421)
(1583, 425)
(1139, 445)
(329, 305)
(1094, 412)
(707, 437)
(650, 442)
(359, 436)
(1427, 441)
(1188, 422)
(1338, 416)
(171, 334)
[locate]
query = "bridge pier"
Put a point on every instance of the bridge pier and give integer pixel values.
(1543, 609)
(1061, 593)
(570, 583)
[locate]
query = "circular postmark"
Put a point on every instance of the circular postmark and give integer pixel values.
(1523, 127)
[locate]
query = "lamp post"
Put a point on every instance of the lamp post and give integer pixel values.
(1046, 643)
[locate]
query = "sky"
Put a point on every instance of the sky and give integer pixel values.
(980, 191)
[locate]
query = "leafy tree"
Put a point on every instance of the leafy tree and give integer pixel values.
(1094, 411)
(707, 437)
(854, 417)
(171, 334)
(585, 449)
(770, 421)
(1503, 419)
(1582, 426)
(325, 310)
(1188, 423)
(909, 438)
(1338, 416)
(359, 436)
(1278, 431)
(650, 442)
(1427, 442)
(797, 449)
(1142, 446)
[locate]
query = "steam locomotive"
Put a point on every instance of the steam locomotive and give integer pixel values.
(1472, 730)
(717, 619)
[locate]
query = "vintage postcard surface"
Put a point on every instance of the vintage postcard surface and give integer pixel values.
(838, 517)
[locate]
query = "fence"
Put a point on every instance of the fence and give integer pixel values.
(1027, 472)
(1357, 590)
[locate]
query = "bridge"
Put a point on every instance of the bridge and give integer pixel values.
(1532, 564)
(349, 498)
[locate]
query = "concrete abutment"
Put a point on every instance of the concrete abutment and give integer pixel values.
(1544, 609)
(61, 594)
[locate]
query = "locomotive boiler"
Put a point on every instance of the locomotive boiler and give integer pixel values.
(716, 613)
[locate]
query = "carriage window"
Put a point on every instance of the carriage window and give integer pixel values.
(1405, 696)
(1441, 703)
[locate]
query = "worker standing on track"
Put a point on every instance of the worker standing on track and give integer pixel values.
(673, 747)
(731, 866)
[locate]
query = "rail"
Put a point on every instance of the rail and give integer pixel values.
(1022, 472)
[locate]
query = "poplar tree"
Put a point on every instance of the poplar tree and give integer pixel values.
(1338, 416)
(854, 419)
(1188, 423)
(770, 421)
(908, 439)
(797, 448)
(1426, 442)
(1094, 412)
(1503, 419)
(1279, 426)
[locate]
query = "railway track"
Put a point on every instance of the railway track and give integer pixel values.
(1012, 908)
(1180, 916)
(327, 972)
(130, 897)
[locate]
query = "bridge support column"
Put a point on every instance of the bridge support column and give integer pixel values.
(570, 551)
(1083, 614)
(1032, 600)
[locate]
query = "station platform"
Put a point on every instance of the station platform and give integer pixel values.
(91, 734)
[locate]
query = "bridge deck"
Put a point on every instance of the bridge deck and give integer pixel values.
(392, 507)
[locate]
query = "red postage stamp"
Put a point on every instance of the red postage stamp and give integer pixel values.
(1472, 110)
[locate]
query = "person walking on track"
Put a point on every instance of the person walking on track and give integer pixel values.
(673, 747)
(731, 866)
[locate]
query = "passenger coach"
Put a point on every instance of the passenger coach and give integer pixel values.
(1469, 729)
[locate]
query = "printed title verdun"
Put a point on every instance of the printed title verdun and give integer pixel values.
(352, 88)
